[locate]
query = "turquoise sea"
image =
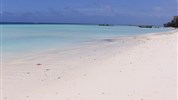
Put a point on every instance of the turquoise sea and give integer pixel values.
(28, 38)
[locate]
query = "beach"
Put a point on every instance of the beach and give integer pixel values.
(142, 67)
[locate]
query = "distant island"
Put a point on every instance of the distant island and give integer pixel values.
(105, 25)
(148, 26)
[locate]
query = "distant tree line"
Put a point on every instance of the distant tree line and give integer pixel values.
(148, 26)
(105, 25)
(173, 23)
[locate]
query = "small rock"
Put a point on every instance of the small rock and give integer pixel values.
(47, 69)
(38, 64)
(148, 39)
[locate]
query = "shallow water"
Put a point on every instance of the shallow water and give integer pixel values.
(27, 38)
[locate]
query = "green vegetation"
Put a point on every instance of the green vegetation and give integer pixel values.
(173, 23)
(105, 25)
(148, 26)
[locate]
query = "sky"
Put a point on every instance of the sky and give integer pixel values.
(152, 12)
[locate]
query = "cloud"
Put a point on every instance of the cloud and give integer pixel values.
(157, 8)
(103, 10)
(7, 13)
(54, 11)
(92, 13)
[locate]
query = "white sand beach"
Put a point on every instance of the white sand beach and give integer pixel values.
(126, 68)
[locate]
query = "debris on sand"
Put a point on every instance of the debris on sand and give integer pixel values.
(47, 69)
(39, 64)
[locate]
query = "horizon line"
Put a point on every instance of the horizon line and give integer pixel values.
(71, 23)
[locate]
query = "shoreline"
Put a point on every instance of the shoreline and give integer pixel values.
(19, 47)
(96, 41)
(137, 68)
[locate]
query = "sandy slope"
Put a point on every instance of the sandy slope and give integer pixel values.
(126, 68)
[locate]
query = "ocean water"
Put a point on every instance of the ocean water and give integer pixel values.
(18, 40)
